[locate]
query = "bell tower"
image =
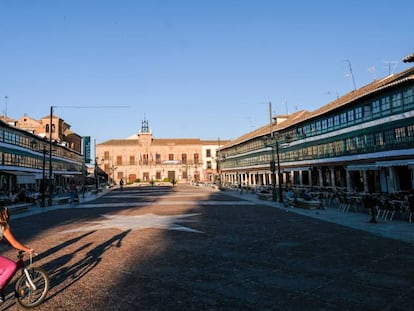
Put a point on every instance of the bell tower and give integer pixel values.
(145, 135)
(144, 127)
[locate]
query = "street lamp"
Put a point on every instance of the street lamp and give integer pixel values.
(113, 174)
(96, 173)
(112, 168)
(42, 182)
(103, 168)
(50, 182)
(218, 166)
(274, 144)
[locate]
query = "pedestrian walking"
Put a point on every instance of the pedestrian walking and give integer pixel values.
(73, 191)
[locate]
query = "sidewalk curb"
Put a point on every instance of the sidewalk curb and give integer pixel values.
(34, 210)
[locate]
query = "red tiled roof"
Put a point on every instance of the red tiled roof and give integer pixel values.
(6, 119)
(267, 129)
(176, 141)
(164, 141)
(120, 142)
(303, 115)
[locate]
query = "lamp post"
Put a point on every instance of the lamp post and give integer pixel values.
(107, 168)
(54, 128)
(218, 163)
(50, 182)
(96, 173)
(274, 144)
(111, 180)
(103, 167)
(113, 174)
(42, 182)
(42, 186)
(279, 174)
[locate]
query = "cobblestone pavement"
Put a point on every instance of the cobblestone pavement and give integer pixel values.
(192, 248)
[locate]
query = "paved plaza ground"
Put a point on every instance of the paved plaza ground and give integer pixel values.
(193, 248)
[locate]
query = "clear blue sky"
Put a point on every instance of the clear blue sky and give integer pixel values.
(196, 68)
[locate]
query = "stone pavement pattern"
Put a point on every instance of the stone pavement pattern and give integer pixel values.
(211, 251)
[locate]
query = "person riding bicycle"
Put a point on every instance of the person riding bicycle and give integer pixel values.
(8, 266)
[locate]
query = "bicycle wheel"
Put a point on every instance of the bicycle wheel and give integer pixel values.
(26, 295)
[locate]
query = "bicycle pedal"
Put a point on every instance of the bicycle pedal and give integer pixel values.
(20, 293)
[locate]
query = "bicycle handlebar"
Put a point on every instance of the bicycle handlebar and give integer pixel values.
(21, 253)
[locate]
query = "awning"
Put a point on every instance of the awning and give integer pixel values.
(362, 167)
(295, 169)
(379, 164)
(25, 179)
(67, 173)
(394, 163)
(22, 177)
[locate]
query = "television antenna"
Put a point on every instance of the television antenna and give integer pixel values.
(373, 70)
(350, 72)
(392, 64)
(5, 111)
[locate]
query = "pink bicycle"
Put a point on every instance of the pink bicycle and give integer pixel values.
(32, 285)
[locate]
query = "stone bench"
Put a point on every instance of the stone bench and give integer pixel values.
(62, 200)
(18, 208)
(264, 196)
(307, 204)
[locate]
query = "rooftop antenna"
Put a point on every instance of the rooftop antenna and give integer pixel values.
(286, 107)
(373, 71)
(350, 72)
(271, 119)
(392, 64)
(5, 111)
(330, 93)
(250, 120)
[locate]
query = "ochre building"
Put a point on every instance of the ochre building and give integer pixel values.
(142, 158)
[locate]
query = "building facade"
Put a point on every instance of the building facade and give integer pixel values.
(28, 159)
(143, 158)
(60, 132)
(363, 141)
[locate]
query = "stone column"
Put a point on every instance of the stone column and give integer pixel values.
(332, 170)
(348, 181)
(392, 184)
(365, 180)
(310, 177)
(320, 181)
